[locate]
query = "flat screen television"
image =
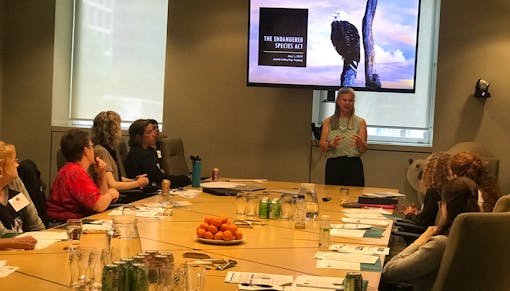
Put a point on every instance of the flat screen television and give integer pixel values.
(369, 45)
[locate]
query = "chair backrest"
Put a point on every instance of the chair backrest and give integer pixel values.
(476, 254)
(173, 160)
(503, 204)
(61, 160)
(31, 177)
(121, 150)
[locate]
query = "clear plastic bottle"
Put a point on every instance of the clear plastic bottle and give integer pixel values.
(299, 212)
(325, 227)
(311, 200)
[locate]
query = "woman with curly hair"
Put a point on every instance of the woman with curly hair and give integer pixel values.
(436, 174)
(466, 164)
(106, 133)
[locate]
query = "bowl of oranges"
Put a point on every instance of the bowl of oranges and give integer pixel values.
(218, 231)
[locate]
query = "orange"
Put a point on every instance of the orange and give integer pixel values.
(239, 235)
(218, 235)
(204, 225)
(232, 228)
(227, 235)
(208, 219)
(200, 232)
(216, 221)
(224, 227)
(224, 219)
(212, 229)
(208, 235)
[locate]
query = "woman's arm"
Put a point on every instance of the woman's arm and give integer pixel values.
(360, 140)
(324, 143)
(26, 243)
(417, 260)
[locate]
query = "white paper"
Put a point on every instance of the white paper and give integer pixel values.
(358, 249)
(248, 180)
(258, 278)
(7, 270)
(333, 264)
(2, 263)
(365, 216)
(190, 193)
(378, 222)
(346, 257)
(219, 184)
(365, 210)
(347, 232)
(45, 238)
(140, 211)
(319, 281)
(350, 226)
(182, 203)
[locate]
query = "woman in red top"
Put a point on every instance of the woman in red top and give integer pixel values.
(73, 193)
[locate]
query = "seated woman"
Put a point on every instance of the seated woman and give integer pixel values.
(419, 262)
(106, 133)
(436, 174)
(73, 193)
(19, 214)
(144, 155)
(470, 165)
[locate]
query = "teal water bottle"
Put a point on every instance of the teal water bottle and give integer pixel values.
(196, 171)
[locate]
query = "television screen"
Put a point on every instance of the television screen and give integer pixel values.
(326, 44)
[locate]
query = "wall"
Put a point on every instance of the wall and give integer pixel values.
(27, 70)
(264, 132)
(245, 131)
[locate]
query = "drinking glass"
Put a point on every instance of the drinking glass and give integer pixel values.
(167, 201)
(195, 276)
(252, 204)
(286, 205)
(241, 203)
(344, 195)
(74, 228)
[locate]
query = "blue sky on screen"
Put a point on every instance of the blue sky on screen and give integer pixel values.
(394, 33)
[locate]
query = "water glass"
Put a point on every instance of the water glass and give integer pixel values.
(179, 278)
(195, 276)
(82, 264)
(286, 202)
(252, 205)
(74, 229)
(167, 201)
(344, 195)
(241, 203)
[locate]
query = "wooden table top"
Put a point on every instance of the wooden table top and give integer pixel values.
(275, 247)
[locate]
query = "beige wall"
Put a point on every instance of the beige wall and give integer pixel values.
(265, 132)
(27, 70)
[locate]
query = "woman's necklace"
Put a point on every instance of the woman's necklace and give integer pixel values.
(343, 127)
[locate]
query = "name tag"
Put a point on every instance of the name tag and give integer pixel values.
(159, 154)
(19, 202)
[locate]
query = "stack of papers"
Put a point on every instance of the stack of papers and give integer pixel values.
(6, 270)
(384, 195)
(140, 211)
(261, 281)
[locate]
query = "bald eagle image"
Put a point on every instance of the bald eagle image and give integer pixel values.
(346, 40)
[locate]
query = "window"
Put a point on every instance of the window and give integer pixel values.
(400, 118)
(117, 59)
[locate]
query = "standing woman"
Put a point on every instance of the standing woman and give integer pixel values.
(15, 217)
(106, 133)
(344, 140)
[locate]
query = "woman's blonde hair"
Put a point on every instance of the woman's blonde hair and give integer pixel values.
(7, 153)
(436, 172)
(105, 128)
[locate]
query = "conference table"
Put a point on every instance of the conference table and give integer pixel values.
(275, 247)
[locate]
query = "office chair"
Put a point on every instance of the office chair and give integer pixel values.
(173, 160)
(503, 204)
(476, 254)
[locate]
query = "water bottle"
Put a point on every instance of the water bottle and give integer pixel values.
(196, 171)
(325, 226)
(311, 200)
(299, 212)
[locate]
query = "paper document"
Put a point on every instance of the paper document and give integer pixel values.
(252, 279)
(248, 180)
(365, 215)
(219, 184)
(7, 270)
(140, 211)
(347, 232)
(350, 226)
(189, 193)
(319, 282)
(341, 265)
(346, 257)
(358, 249)
(365, 210)
(45, 238)
(379, 222)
